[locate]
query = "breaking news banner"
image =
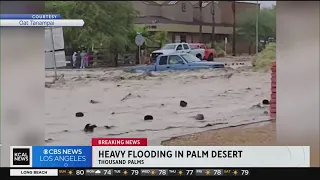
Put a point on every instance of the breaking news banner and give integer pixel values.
(200, 156)
(38, 20)
(134, 152)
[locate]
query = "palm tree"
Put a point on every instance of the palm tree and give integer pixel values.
(160, 38)
(234, 28)
(213, 25)
(201, 19)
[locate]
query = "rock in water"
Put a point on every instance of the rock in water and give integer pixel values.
(89, 128)
(148, 118)
(265, 102)
(183, 103)
(199, 117)
(79, 114)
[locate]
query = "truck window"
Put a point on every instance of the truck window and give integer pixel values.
(163, 60)
(203, 46)
(175, 59)
(185, 46)
(179, 47)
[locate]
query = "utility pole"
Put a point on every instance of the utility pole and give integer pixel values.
(257, 28)
(201, 19)
(234, 29)
(54, 55)
(213, 39)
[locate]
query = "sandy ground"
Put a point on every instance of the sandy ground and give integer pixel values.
(224, 97)
(260, 134)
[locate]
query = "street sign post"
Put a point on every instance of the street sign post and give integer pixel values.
(139, 40)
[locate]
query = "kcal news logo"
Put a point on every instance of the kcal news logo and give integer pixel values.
(21, 156)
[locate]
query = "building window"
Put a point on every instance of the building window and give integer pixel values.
(152, 27)
(183, 7)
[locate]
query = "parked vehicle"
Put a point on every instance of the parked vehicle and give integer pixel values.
(176, 61)
(177, 47)
(209, 54)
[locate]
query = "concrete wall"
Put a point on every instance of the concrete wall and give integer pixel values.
(226, 10)
(207, 13)
(22, 81)
(140, 7)
(187, 28)
(174, 12)
(153, 10)
(298, 65)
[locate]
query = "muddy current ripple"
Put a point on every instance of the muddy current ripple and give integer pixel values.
(224, 97)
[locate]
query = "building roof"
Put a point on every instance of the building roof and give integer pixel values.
(151, 3)
(204, 3)
(170, 3)
(161, 20)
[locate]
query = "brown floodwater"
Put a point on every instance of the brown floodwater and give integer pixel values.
(224, 100)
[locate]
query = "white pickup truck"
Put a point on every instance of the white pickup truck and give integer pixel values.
(177, 47)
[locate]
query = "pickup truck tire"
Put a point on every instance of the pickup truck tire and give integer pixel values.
(199, 56)
(210, 57)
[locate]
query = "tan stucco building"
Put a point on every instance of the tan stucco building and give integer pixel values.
(181, 19)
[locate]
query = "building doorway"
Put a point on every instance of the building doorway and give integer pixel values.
(183, 38)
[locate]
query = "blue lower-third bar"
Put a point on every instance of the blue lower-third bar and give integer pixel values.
(61, 156)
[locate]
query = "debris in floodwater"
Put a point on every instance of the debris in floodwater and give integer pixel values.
(126, 97)
(148, 118)
(89, 128)
(79, 114)
(183, 103)
(266, 102)
(199, 117)
(109, 127)
(93, 102)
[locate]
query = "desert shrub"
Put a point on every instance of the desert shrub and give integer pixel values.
(220, 52)
(266, 57)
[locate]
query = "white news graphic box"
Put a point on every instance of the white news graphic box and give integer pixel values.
(251, 156)
(12, 156)
(33, 172)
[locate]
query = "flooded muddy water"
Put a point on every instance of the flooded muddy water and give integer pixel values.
(224, 97)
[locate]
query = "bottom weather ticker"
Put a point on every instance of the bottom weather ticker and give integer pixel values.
(129, 172)
(153, 172)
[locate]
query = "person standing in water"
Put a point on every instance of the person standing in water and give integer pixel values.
(74, 59)
(86, 58)
(82, 57)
